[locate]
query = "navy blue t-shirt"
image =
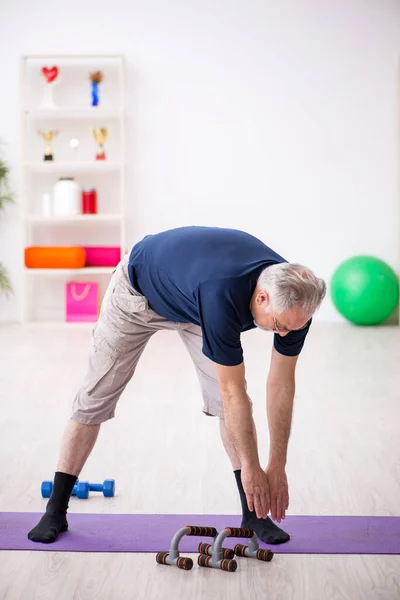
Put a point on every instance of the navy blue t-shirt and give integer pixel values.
(207, 276)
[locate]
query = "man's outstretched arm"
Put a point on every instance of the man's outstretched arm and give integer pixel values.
(280, 396)
(241, 429)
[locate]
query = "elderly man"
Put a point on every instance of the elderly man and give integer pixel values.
(210, 284)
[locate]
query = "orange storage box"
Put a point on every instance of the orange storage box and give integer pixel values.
(55, 257)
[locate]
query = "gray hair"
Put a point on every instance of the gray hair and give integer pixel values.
(290, 285)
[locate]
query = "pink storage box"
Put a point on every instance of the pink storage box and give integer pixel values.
(102, 256)
(81, 301)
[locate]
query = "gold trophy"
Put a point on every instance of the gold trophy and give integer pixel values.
(100, 135)
(48, 137)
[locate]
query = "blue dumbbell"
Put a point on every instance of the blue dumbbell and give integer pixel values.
(81, 488)
(107, 487)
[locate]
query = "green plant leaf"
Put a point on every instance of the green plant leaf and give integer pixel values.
(5, 199)
(5, 283)
(3, 170)
(6, 195)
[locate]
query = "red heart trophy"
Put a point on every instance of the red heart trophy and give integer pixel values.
(51, 76)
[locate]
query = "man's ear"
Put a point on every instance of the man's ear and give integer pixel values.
(263, 297)
(268, 308)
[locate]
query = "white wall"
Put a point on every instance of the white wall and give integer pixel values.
(280, 118)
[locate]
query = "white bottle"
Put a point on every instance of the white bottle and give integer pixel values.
(67, 197)
(46, 204)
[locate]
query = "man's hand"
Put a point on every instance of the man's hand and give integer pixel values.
(255, 485)
(279, 492)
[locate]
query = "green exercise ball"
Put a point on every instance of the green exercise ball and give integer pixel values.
(365, 290)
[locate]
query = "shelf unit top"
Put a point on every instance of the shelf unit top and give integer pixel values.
(72, 56)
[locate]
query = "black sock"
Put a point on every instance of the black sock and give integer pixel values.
(265, 529)
(54, 521)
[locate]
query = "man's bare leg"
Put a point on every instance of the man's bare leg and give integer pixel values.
(77, 443)
(265, 529)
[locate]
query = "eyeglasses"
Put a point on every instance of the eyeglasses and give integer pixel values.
(278, 327)
(281, 328)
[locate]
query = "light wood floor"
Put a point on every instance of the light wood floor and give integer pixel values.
(344, 459)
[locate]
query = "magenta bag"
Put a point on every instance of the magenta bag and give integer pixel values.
(81, 301)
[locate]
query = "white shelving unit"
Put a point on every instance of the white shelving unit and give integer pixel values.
(73, 116)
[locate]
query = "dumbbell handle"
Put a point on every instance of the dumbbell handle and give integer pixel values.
(93, 487)
(96, 487)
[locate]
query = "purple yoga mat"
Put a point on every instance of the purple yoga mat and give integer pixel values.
(151, 533)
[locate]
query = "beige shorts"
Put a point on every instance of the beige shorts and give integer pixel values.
(125, 325)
